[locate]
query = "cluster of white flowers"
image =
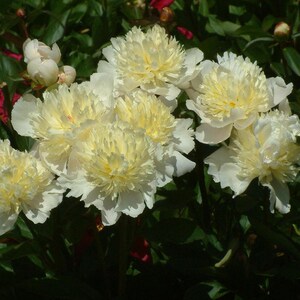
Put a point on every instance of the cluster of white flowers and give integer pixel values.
(235, 100)
(42, 64)
(113, 140)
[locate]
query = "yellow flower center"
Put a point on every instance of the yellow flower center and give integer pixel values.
(150, 57)
(236, 84)
(145, 111)
(117, 158)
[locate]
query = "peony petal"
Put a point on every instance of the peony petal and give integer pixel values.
(108, 53)
(211, 135)
(184, 136)
(109, 217)
(103, 84)
(182, 165)
(38, 209)
(278, 89)
(169, 91)
(22, 111)
(131, 203)
(226, 172)
(279, 196)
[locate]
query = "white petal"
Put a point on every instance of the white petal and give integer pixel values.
(182, 164)
(279, 196)
(242, 124)
(108, 53)
(211, 135)
(106, 67)
(109, 217)
(131, 203)
(191, 66)
(285, 107)
(103, 85)
(184, 136)
(278, 89)
(226, 172)
(26, 107)
(38, 209)
(169, 91)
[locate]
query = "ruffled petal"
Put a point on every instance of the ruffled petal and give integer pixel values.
(211, 135)
(184, 140)
(226, 172)
(22, 112)
(278, 89)
(279, 196)
(182, 164)
(131, 203)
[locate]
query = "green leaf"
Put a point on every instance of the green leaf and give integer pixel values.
(292, 57)
(56, 28)
(237, 10)
(204, 8)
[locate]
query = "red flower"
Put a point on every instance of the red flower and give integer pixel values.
(188, 34)
(160, 4)
(141, 250)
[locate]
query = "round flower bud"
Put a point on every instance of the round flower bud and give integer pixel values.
(20, 12)
(282, 30)
(67, 75)
(166, 15)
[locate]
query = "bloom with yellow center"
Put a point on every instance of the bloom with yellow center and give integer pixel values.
(114, 170)
(267, 150)
(61, 119)
(231, 93)
(25, 185)
(173, 135)
(152, 60)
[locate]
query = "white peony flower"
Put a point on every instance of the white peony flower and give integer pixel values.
(26, 185)
(64, 117)
(113, 169)
(34, 49)
(152, 61)
(266, 150)
(44, 72)
(146, 111)
(230, 94)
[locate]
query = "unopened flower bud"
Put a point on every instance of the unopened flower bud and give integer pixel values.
(166, 15)
(282, 30)
(67, 75)
(44, 72)
(34, 49)
(20, 12)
